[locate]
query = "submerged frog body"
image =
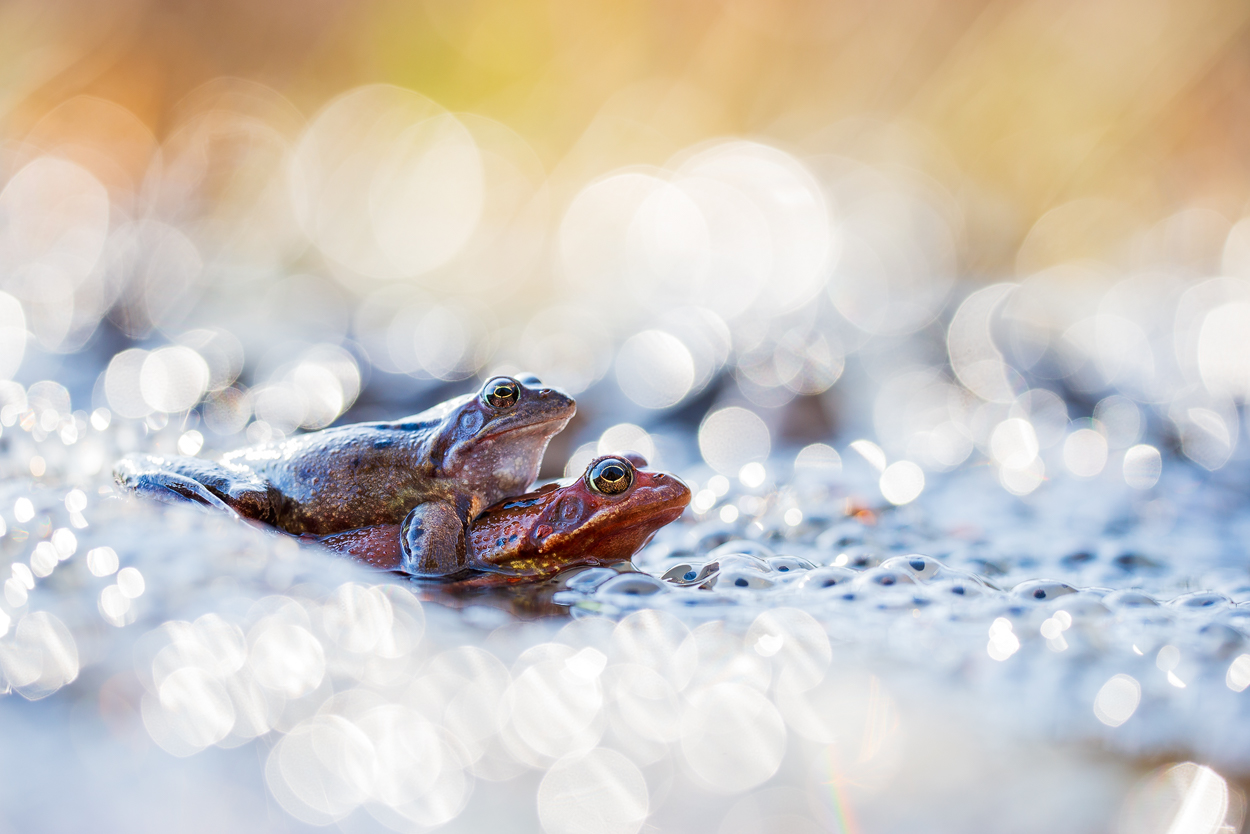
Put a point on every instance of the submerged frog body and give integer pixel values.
(602, 518)
(453, 459)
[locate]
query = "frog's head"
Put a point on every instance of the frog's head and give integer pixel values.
(493, 442)
(605, 516)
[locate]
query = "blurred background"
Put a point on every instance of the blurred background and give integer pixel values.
(914, 220)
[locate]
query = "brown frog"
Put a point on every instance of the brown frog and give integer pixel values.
(451, 460)
(602, 518)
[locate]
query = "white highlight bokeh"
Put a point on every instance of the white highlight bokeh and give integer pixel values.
(733, 437)
(1117, 700)
(386, 183)
(902, 482)
(734, 737)
(1142, 466)
(600, 792)
(654, 369)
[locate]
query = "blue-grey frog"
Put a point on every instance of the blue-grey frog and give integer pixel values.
(453, 460)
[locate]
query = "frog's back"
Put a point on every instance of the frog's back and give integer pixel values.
(345, 477)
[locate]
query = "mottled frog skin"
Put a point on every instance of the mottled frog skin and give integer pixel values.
(455, 459)
(602, 518)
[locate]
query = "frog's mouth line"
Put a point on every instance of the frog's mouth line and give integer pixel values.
(665, 503)
(643, 529)
(673, 505)
(541, 426)
(639, 532)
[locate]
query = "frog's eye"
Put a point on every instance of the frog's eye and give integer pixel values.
(501, 392)
(610, 476)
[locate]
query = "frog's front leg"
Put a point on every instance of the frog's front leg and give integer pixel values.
(198, 481)
(377, 545)
(433, 538)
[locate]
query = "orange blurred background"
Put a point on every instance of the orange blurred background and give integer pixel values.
(1145, 103)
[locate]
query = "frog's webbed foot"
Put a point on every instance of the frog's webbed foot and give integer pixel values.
(433, 540)
(202, 482)
(168, 488)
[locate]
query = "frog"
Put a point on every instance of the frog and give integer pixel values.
(452, 460)
(600, 519)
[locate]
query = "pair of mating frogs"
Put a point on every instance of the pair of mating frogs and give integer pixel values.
(438, 495)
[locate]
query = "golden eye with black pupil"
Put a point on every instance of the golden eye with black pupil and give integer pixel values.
(610, 476)
(501, 392)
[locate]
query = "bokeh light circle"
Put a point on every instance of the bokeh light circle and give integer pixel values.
(600, 792)
(733, 437)
(173, 379)
(654, 369)
(734, 737)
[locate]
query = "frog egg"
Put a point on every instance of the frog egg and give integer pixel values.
(883, 577)
(921, 567)
(742, 547)
(627, 588)
(898, 598)
(1208, 600)
(1077, 559)
(1219, 641)
(670, 543)
(821, 579)
(680, 574)
(1042, 590)
(857, 557)
(589, 579)
(744, 561)
(1131, 598)
(959, 586)
(841, 536)
(686, 574)
(711, 535)
(1136, 563)
(740, 577)
(787, 564)
(707, 604)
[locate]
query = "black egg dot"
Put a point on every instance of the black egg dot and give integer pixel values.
(848, 596)
(1039, 594)
(917, 564)
(887, 580)
(783, 568)
(689, 575)
(958, 589)
(741, 583)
